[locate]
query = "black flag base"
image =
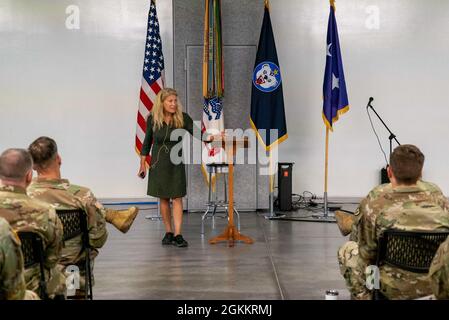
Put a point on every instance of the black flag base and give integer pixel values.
(274, 216)
(271, 214)
(308, 215)
(323, 214)
(323, 217)
(317, 217)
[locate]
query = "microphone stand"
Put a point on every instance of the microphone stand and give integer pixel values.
(392, 135)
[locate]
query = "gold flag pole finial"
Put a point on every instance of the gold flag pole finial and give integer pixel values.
(332, 2)
(267, 4)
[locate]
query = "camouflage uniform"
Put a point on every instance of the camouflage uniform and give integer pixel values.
(26, 214)
(63, 195)
(439, 272)
(421, 207)
(12, 281)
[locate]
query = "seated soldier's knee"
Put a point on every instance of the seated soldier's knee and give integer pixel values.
(347, 251)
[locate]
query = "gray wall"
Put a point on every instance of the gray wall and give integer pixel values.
(81, 85)
(241, 29)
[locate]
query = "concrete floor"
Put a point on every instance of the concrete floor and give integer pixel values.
(288, 260)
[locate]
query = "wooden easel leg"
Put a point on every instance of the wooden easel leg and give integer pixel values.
(231, 235)
(241, 237)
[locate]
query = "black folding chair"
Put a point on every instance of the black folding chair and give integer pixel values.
(33, 253)
(74, 222)
(408, 250)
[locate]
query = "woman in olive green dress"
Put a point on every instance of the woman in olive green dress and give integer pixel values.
(166, 176)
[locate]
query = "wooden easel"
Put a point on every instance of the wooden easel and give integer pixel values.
(231, 234)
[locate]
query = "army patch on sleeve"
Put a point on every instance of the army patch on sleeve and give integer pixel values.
(15, 237)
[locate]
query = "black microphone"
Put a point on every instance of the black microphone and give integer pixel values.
(369, 102)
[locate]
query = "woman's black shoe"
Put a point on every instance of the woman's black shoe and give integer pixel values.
(179, 241)
(168, 238)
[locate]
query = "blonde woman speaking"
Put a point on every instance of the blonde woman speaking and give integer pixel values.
(166, 179)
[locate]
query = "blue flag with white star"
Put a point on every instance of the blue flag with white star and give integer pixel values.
(334, 87)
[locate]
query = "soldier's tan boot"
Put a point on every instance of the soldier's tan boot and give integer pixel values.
(122, 219)
(345, 221)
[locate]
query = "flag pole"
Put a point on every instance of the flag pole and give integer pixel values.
(324, 216)
(326, 160)
(326, 165)
(271, 184)
(271, 172)
(331, 110)
(271, 213)
(270, 161)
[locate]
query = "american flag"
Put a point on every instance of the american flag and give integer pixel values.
(152, 76)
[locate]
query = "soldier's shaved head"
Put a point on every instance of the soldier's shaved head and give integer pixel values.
(44, 151)
(15, 164)
(407, 162)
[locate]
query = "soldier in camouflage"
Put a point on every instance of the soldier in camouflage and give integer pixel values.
(61, 194)
(406, 203)
(12, 280)
(439, 272)
(348, 221)
(26, 214)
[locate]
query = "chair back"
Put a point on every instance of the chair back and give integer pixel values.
(74, 222)
(33, 253)
(409, 250)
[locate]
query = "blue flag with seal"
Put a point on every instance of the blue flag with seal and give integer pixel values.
(334, 87)
(267, 99)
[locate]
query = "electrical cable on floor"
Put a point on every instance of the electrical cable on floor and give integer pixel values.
(305, 206)
(304, 201)
(307, 201)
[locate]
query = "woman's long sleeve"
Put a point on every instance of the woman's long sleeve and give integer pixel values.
(146, 147)
(193, 129)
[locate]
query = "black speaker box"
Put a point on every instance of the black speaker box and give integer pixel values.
(384, 176)
(285, 180)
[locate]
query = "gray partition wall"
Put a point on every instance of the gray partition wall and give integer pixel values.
(241, 21)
